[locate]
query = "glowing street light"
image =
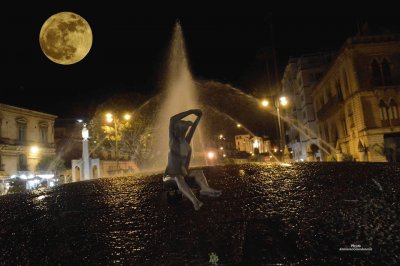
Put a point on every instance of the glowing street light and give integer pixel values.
(283, 101)
(211, 155)
(110, 118)
(34, 150)
(239, 125)
(264, 103)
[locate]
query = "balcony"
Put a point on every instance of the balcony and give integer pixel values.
(16, 142)
(333, 105)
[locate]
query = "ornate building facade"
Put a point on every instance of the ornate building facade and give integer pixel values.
(300, 75)
(25, 137)
(250, 144)
(357, 100)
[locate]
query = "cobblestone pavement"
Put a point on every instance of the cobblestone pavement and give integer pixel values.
(300, 214)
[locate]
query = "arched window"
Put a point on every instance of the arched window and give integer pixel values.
(383, 110)
(376, 73)
(393, 111)
(386, 75)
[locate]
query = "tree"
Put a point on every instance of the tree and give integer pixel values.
(134, 137)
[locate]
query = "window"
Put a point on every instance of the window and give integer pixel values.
(386, 76)
(21, 127)
(43, 132)
(376, 73)
(381, 74)
(327, 133)
(22, 163)
(393, 112)
(344, 126)
(339, 90)
(21, 132)
(346, 83)
(350, 115)
(383, 110)
(43, 135)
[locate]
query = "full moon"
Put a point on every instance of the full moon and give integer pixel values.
(65, 38)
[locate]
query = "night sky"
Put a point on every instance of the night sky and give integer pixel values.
(130, 46)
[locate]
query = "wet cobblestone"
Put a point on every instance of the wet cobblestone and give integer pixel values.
(299, 214)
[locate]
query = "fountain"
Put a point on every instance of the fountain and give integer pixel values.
(182, 92)
(180, 95)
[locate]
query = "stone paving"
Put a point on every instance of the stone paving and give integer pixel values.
(268, 214)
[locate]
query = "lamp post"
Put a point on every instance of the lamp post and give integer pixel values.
(278, 102)
(111, 119)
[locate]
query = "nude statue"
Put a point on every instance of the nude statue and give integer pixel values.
(180, 136)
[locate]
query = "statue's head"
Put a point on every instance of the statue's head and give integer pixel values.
(181, 128)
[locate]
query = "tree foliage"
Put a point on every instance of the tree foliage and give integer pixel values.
(133, 137)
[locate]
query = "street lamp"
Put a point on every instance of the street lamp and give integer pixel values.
(282, 101)
(110, 119)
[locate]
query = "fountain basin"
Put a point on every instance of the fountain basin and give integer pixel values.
(268, 213)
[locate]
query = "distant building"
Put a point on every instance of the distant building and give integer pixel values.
(251, 144)
(25, 137)
(300, 75)
(357, 100)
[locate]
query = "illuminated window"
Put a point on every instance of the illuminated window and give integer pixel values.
(393, 111)
(383, 110)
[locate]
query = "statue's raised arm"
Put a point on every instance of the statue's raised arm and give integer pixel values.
(178, 117)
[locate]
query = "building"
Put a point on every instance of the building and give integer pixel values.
(252, 144)
(299, 77)
(356, 101)
(25, 137)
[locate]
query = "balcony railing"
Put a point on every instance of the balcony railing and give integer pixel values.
(330, 107)
(16, 142)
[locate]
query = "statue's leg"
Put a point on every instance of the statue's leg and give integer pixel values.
(205, 189)
(185, 189)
